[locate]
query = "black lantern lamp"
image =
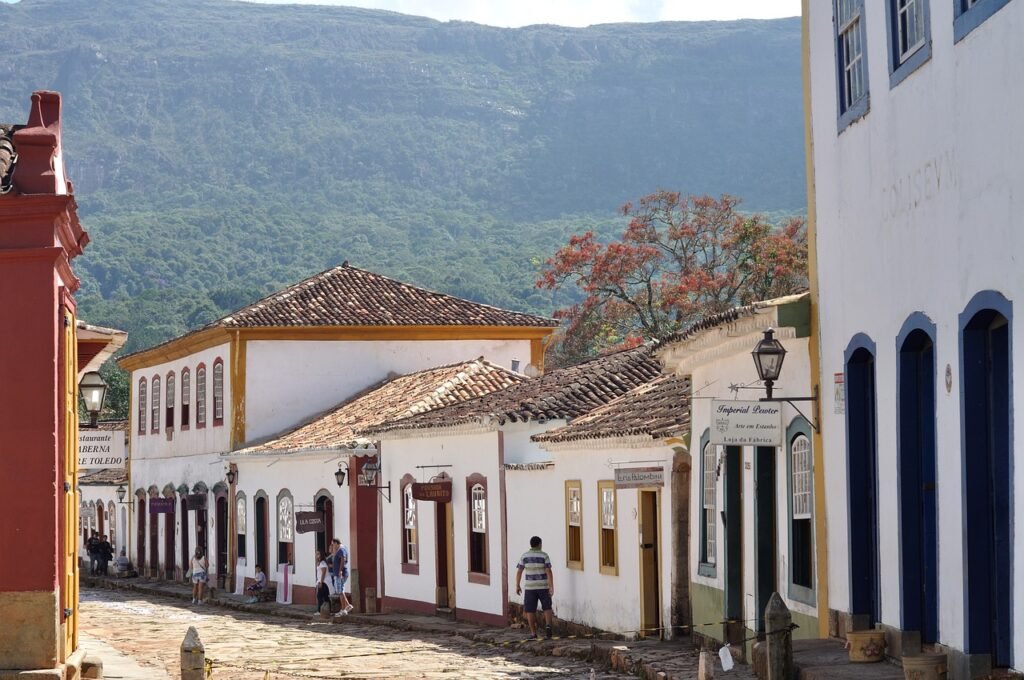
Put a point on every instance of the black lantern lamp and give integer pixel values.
(121, 493)
(231, 474)
(93, 391)
(768, 357)
(340, 473)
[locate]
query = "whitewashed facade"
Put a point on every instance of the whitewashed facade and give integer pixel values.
(916, 171)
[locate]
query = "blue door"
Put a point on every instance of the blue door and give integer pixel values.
(918, 538)
(988, 485)
(862, 468)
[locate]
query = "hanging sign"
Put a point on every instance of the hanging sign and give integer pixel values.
(840, 395)
(439, 492)
(635, 478)
(99, 449)
(195, 501)
(161, 505)
(309, 522)
(746, 423)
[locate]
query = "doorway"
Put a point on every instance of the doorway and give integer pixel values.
(862, 465)
(732, 518)
(100, 525)
(325, 506)
(650, 569)
(445, 527)
(186, 556)
(222, 540)
(154, 544)
(918, 537)
(765, 532)
(169, 544)
(260, 508)
(140, 535)
(988, 486)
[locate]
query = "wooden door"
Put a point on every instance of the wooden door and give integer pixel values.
(445, 556)
(69, 592)
(650, 570)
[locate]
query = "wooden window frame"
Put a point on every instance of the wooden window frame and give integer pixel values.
(154, 404)
(171, 396)
(407, 566)
(479, 577)
(201, 415)
(142, 406)
(186, 397)
(241, 528)
(577, 485)
(602, 487)
(290, 551)
(218, 394)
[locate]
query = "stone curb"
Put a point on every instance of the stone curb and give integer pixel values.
(608, 654)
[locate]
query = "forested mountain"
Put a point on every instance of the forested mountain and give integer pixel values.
(220, 149)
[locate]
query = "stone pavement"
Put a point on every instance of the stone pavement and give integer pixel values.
(116, 665)
(380, 645)
(829, 660)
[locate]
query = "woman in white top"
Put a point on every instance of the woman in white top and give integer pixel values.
(323, 595)
(199, 569)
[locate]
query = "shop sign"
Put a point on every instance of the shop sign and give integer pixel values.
(100, 449)
(309, 522)
(636, 478)
(195, 501)
(438, 492)
(746, 423)
(161, 505)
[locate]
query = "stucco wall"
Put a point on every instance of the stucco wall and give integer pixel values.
(287, 381)
(917, 211)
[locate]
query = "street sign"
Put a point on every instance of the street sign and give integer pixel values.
(195, 501)
(98, 449)
(161, 505)
(746, 423)
(636, 478)
(438, 492)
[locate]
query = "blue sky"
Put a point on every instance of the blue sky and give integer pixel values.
(575, 12)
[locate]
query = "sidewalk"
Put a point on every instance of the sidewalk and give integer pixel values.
(669, 660)
(118, 666)
(829, 660)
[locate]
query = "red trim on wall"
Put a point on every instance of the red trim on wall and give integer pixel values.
(402, 605)
(217, 422)
(481, 617)
(181, 377)
(201, 424)
(142, 408)
(503, 505)
(155, 395)
(478, 576)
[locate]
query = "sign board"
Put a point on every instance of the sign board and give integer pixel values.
(100, 449)
(635, 478)
(309, 522)
(439, 492)
(195, 501)
(746, 423)
(164, 505)
(840, 397)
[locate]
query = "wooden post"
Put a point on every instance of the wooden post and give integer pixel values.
(706, 666)
(778, 622)
(193, 656)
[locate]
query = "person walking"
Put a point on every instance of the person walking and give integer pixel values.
(339, 573)
(105, 552)
(323, 593)
(540, 586)
(92, 548)
(199, 569)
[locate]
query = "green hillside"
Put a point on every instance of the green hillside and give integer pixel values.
(220, 149)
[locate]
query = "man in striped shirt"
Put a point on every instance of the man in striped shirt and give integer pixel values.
(540, 585)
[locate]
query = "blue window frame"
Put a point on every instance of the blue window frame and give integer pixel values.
(707, 565)
(851, 61)
(800, 504)
(969, 14)
(910, 37)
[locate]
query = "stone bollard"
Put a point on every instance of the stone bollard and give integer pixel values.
(778, 624)
(706, 668)
(193, 656)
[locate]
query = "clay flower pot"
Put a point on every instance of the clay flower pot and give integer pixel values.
(866, 646)
(925, 667)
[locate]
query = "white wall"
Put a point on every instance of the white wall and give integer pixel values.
(467, 454)
(89, 493)
(287, 381)
(917, 210)
(537, 507)
(712, 380)
(195, 440)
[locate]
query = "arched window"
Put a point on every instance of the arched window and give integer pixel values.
(574, 524)
(186, 396)
(142, 406)
(476, 492)
(410, 527)
(201, 396)
(240, 523)
(285, 529)
(609, 524)
(218, 392)
(707, 527)
(169, 402)
(801, 487)
(154, 415)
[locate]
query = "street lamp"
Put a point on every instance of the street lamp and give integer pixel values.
(768, 357)
(231, 475)
(371, 468)
(121, 492)
(93, 391)
(339, 474)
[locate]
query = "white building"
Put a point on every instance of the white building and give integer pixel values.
(915, 166)
(269, 367)
(289, 502)
(617, 483)
(447, 546)
(752, 518)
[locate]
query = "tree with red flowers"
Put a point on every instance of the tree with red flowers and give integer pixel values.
(680, 259)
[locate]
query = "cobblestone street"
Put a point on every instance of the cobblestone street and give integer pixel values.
(150, 630)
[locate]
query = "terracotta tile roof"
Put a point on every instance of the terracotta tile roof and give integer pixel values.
(106, 477)
(7, 157)
(725, 317)
(121, 425)
(657, 409)
(564, 393)
(389, 400)
(348, 296)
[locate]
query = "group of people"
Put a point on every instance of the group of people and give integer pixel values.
(100, 553)
(332, 573)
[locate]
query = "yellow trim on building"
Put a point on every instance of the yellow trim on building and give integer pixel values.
(238, 362)
(814, 343)
(176, 349)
